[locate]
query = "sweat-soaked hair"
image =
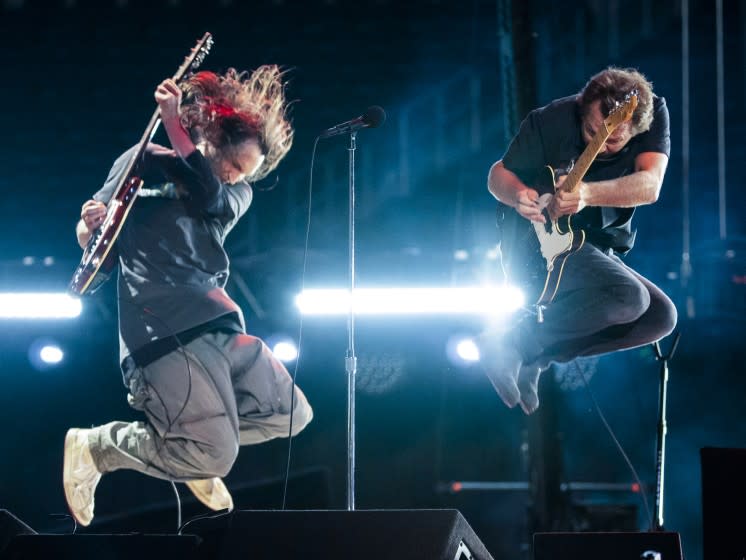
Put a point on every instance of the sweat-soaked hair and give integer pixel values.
(610, 86)
(228, 109)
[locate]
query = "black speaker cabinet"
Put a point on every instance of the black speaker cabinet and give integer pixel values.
(609, 546)
(340, 534)
(723, 499)
(101, 547)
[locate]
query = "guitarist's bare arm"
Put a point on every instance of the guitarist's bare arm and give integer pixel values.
(506, 187)
(641, 187)
(168, 96)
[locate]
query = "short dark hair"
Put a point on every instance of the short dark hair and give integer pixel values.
(610, 86)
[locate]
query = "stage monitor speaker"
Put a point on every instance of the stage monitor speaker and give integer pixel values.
(723, 495)
(609, 546)
(101, 547)
(339, 534)
(10, 526)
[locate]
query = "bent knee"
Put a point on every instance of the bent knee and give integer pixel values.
(221, 462)
(215, 450)
(301, 417)
(630, 302)
(666, 318)
(302, 413)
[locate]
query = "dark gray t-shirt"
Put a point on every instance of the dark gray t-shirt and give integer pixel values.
(552, 135)
(172, 265)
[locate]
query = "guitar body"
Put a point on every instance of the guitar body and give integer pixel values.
(534, 254)
(99, 257)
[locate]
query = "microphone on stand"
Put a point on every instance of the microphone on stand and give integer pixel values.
(374, 116)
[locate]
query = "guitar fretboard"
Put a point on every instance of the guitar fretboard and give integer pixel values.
(622, 113)
(585, 160)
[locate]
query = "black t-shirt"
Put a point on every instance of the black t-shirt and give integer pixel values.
(172, 265)
(552, 135)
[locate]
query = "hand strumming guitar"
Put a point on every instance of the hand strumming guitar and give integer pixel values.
(92, 215)
(527, 205)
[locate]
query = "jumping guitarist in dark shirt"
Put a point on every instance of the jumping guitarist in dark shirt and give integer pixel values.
(605, 152)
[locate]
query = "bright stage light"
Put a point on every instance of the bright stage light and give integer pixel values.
(467, 350)
(45, 354)
(462, 350)
(51, 354)
(285, 351)
(474, 300)
(38, 305)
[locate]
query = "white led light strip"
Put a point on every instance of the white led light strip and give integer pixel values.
(38, 305)
(409, 301)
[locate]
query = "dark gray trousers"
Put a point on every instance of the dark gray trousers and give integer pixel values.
(201, 401)
(602, 305)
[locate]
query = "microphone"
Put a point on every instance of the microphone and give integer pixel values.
(374, 116)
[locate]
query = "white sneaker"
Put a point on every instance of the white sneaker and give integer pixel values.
(528, 384)
(501, 363)
(212, 492)
(79, 476)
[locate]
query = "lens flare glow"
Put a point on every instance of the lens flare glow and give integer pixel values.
(285, 351)
(467, 350)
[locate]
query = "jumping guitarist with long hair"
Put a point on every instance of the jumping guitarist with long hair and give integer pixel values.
(602, 153)
(204, 385)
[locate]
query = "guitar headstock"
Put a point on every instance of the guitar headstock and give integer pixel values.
(622, 112)
(195, 57)
(201, 50)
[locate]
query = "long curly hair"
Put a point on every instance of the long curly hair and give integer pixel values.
(611, 85)
(228, 109)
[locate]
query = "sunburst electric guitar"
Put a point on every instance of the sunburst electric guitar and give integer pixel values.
(534, 254)
(99, 255)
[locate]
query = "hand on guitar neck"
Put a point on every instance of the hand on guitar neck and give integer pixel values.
(565, 202)
(168, 96)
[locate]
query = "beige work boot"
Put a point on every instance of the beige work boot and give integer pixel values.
(211, 492)
(79, 476)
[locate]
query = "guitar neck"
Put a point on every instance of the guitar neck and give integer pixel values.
(192, 60)
(147, 136)
(585, 160)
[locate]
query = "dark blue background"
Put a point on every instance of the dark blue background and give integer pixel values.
(77, 90)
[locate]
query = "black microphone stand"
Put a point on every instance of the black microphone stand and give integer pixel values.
(661, 443)
(350, 358)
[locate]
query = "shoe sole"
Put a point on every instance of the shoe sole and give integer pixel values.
(507, 390)
(66, 470)
(202, 497)
(528, 386)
